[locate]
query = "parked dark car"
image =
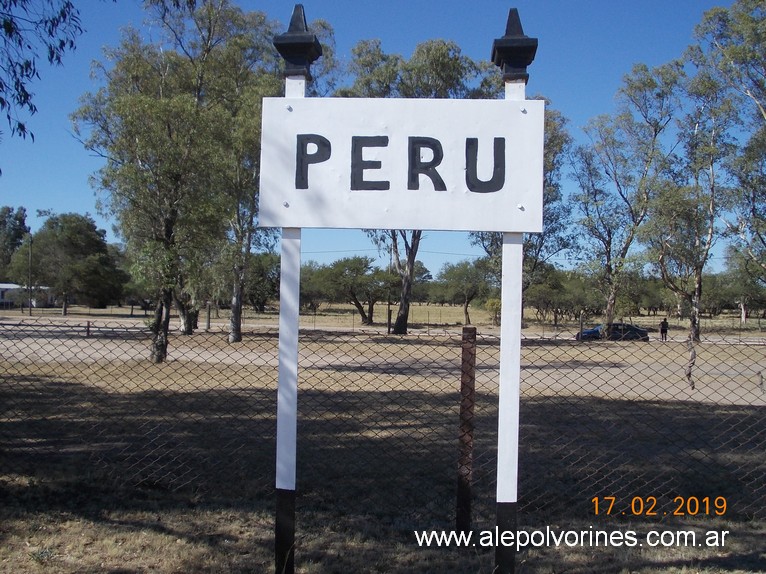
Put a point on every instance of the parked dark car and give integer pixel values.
(618, 332)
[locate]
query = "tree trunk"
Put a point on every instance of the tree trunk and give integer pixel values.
(407, 274)
(370, 309)
(403, 315)
(65, 305)
(360, 308)
(161, 326)
(611, 303)
(235, 322)
(696, 301)
(466, 316)
(186, 316)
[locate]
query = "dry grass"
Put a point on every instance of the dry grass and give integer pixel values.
(121, 466)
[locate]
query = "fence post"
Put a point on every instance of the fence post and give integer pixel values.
(467, 402)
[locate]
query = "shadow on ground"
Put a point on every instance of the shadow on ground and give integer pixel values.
(374, 466)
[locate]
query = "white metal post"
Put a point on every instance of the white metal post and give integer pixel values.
(299, 48)
(287, 382)
(510, 350)
(510, 377)
(510, 369)
(287, 390)
(289, 319)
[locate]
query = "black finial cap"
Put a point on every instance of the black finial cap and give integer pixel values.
(299, 47)
(514, 51)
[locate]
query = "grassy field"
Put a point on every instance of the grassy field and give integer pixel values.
(111, 464)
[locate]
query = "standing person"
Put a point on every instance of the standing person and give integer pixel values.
(664, 329)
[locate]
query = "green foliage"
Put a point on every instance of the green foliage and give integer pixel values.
(747, 223)
(262, 283)
(436, 69)
(348, 280)
(731, 50)
(312, 289)
(731, 44)
(13, 228)
(547, 295)
(622, 172)
(465, 281)
(70, 256)
(29, 31)
(178, 122)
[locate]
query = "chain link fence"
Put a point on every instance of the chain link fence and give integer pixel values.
(653, 425)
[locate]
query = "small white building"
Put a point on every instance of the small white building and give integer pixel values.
(12, 295)
(9, 294)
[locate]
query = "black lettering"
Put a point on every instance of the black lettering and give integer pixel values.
(303, 158)
(358, 164)
(416, 166)
(498, 172)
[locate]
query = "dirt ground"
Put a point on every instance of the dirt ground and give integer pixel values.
(111, 464)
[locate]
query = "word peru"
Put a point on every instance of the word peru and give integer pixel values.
(356, 163)
(418, 148)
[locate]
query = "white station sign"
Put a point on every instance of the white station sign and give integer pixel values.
(460, 165)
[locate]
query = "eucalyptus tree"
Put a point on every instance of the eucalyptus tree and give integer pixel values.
(155, 135)
(236, 72)
(731, 47)
(747, 220)
(619, 173)
(743, 284)
(685, 215)
(179, 172)
(436, 69)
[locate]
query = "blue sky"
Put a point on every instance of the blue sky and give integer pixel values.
(585, 48)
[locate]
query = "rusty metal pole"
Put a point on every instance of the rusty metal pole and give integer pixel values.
(467, 403)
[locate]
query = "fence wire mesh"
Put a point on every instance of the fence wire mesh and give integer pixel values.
(379, 424)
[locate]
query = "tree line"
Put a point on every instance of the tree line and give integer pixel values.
(70, 257)
(677, 169)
